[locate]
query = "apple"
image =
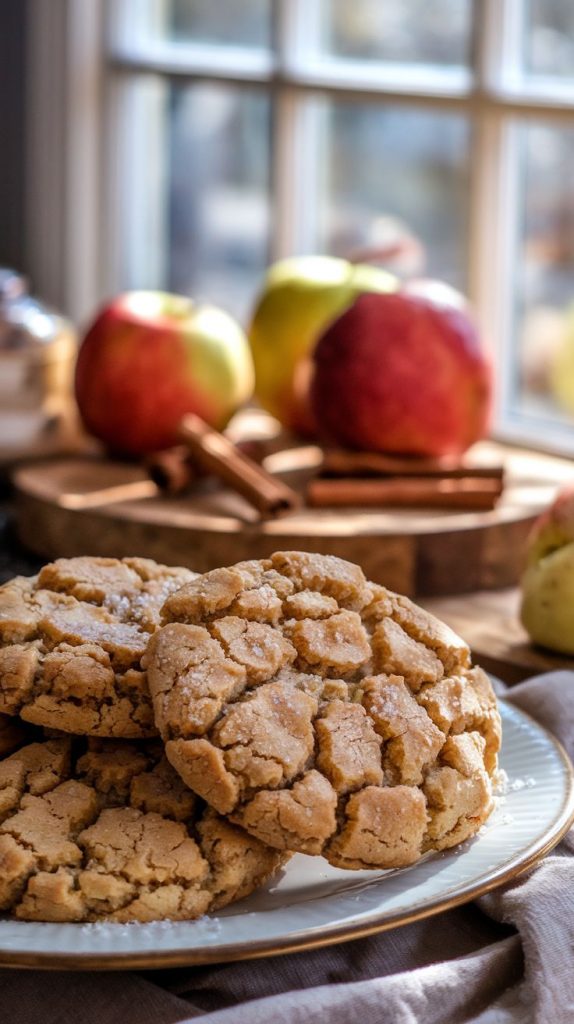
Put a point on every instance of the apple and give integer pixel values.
(543, 336)
(300, 297)
(547, 610)
(562, 364)
(403, 372)
(151, 357)
(440, 294)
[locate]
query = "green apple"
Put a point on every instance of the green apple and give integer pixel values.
(562, 365)
(301, 296)
(151, 357)
(547, 609)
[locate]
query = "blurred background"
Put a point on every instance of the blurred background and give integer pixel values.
(185, 144)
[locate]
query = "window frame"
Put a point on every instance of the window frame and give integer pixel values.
(76, 187)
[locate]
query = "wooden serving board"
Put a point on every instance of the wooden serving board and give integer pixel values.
(489, 621)
(82, 505)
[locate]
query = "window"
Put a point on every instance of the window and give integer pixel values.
(230, 134)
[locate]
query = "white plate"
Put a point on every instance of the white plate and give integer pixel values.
(312, 904)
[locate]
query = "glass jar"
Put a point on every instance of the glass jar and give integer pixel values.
(37, 355)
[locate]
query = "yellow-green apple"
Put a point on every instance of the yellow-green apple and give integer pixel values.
(562, 368)
(151, 357)
(548, 583)
(300, 297)
(543, 335)
(403, 372)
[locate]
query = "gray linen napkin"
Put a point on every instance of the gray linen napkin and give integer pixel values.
(507, 959)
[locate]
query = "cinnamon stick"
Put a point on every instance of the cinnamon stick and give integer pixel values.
(406, 492)
(214, 453)
(175, 472)
(172, 470)
(339, 462)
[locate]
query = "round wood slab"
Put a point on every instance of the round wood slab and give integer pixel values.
(82, 505)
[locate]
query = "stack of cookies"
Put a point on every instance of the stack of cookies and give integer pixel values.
(168, 739)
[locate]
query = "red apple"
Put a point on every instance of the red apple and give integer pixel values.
(151, 357)
(300, 296)
(438, 293)
(402, 372)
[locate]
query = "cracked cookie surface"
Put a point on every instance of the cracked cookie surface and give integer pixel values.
(323, 713)
(72, 639)
(102, 829)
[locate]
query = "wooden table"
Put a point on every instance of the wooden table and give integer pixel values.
(489, 622)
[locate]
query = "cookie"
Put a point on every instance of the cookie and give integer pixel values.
(72, 639)
(323, 713)
(104, 829)
(13, 734)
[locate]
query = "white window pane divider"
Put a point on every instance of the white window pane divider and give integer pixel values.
(494, 176)
(295, 145)
(196, 61)
(63, 191)
(547, 435)
(135, 207)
